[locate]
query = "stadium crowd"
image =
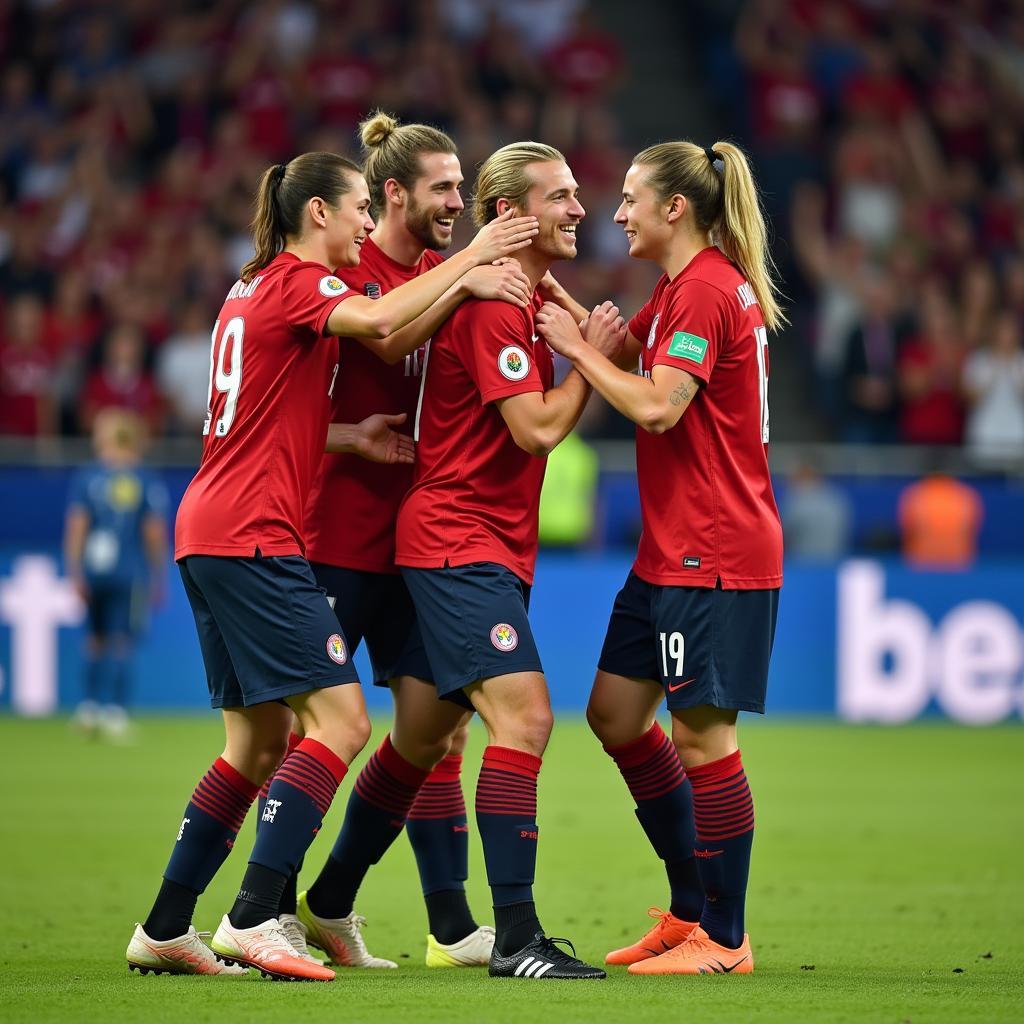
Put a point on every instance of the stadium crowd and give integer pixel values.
(887, 139)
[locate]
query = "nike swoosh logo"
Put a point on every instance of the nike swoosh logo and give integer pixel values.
(729, 970)
(679, 686)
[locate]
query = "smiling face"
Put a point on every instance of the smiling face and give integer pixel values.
(435, 201)
(348, 223)
(643, 216)
(552, 199)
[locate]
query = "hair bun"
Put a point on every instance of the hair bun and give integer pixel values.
(376, 128)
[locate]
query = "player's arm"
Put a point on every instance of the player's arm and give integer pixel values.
(540, 420)
(503, 280)
(76, 529)
(552, 291)
(362, 317)
(656, 404)
(373, 439)
(154, 543)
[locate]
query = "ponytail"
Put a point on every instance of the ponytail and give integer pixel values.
(267, 236)
(742, 234)
(719, 187)
(282, 195)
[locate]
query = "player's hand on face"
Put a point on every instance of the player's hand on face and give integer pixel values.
(557, 327)
(504, 279)
(504, 235)
(605, 330)
(378, 442)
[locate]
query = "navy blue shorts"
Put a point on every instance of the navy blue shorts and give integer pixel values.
(704, 646)
(265, 629)
(376, 607)
(474, 624)
(115, 609)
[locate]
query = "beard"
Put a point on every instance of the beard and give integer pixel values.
(419, 222)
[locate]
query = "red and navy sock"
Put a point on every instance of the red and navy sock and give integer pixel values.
(207, 833)
(506, 814)
(298, 798)
(724, 813)
(439, 834)
(664, 807)
(374, 817)
(288, 897)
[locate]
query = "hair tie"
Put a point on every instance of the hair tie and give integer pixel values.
(279, 170)
(714, 159)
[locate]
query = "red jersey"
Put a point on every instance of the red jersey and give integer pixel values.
(272, 374)
(475, 492)
(705, 492)
(353, 506)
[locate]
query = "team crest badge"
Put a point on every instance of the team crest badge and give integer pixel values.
(330, 286)
(504, 637)
(372, 289)
(336, 649)
(653, 331)
(513, 362)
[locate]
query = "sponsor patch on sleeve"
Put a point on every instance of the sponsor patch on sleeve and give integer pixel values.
(688, 346)
(331, 285)
(513, 362)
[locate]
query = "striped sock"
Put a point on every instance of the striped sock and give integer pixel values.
(724, 814)
(506, 814)
(207, 834)
(288, 897)
(375, 815)
(439, 834)
(297, 801)
(664, 807)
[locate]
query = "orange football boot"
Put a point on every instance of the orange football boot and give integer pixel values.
(699, 954)
(665, 935)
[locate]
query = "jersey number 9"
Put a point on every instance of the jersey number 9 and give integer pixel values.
(225, 376)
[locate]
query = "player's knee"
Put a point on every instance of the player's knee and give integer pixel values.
(459, 740)
(261, 759)
(532, 728)
(601, 723)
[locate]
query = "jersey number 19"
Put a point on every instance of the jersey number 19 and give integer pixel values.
(225, 375)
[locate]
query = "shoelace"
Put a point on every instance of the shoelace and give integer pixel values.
(549, 947)
(296, 935)
(272, 943)
(661, 916)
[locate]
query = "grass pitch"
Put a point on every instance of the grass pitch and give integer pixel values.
(887, 885)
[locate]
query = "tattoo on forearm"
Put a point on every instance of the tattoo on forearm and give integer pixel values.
(682, 394)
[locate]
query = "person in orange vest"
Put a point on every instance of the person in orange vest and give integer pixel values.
(940, 519)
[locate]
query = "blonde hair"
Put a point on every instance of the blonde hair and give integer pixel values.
(725, 204)
(503, 176)
(282, 195)
(122, 428)
(393, 150)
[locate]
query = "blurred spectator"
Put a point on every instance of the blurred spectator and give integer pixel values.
(994, 386)
(121, 380)
(816, 517)
(940, 519)
(26, 372)
(870, 384)
(183, 370)
(930, 367)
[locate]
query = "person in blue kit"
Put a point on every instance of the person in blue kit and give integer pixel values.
(115, 549)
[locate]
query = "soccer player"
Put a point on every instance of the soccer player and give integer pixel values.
(115, 543)
(695, 620)
(414, 178)
(266, 631)
(467, 536)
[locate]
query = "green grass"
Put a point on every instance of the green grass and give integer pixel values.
(885, 859)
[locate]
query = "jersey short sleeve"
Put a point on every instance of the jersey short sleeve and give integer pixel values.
(694, 326)
(500, 358)
(309, 293)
